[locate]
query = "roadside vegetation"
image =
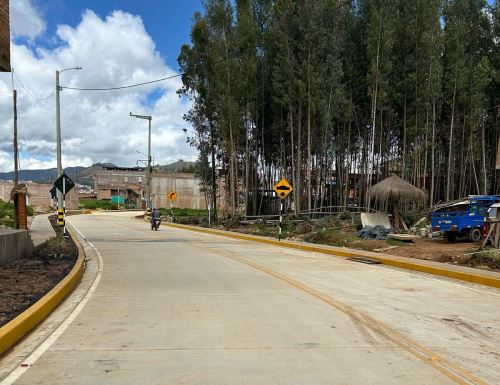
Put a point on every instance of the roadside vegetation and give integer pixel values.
(7, 214)
(94, 204)
(335, 96)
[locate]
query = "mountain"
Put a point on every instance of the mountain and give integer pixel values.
(85, 175)
(179, 166)
(40, 176)
(79, 174)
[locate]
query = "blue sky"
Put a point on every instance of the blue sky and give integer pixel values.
(168, 22)
(117, 43)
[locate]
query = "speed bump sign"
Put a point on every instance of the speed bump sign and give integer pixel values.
(172, 196)
(283, 188)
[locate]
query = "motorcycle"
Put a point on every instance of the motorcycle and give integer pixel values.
(155, 223)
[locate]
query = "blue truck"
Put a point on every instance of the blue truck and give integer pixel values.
(463, 218)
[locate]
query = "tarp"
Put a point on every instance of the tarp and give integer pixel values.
(378, 232)
(374, 219)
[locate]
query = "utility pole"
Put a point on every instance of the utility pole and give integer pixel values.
(58, 133)
(58, 140)
(16, 166)
(16, 156)
(148, 173)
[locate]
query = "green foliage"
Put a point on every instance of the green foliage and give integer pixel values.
(95, 204)
(311, 90)
(486, 258)
(7, 213)
(178, 212)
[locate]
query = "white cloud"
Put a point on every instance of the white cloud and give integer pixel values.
(95, 125)
(25, 20)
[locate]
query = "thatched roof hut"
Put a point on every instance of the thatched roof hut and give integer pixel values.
(394, 188)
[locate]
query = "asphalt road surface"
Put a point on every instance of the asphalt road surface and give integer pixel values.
(180, 307)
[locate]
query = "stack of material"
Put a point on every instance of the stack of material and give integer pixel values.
(374, 232)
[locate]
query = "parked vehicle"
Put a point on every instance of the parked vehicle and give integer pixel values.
(463, 218)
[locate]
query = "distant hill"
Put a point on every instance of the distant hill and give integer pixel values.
(40, 176)
(179, 166)
(79, 174)
(84, 175)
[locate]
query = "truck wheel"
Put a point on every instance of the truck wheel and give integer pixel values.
(450, 236)
(475, 235)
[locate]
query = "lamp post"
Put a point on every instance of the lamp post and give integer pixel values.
(58, 131)
(148, 173)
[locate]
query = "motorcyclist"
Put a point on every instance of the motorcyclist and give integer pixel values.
(155, 219)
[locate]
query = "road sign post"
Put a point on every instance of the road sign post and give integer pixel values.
(64, 184)
(282, 189)
(172, 196)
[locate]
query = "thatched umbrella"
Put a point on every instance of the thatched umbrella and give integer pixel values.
(395, 188)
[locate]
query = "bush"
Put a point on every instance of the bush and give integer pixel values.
(303, 227)
(326, 222)
(94, 204)
(188, 220)
(232, 222)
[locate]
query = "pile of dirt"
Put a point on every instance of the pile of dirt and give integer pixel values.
(26, 280)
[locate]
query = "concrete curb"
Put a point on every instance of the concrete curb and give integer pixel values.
(456, 272)
(17, 328)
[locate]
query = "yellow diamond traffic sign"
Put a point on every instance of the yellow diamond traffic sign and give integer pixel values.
(283, 188)
(172, 196)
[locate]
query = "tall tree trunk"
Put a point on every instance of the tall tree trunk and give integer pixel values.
(485, 178)
(309, 154)
(433, 147)
(450, 157)
(298, 191)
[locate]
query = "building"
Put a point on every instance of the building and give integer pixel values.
(129, 185)
(185, 185)
(4, 36)
(126, 184)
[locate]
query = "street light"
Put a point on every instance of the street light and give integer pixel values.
(58, 131)
(148, 173)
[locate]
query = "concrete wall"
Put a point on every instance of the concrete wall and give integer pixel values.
(14, 244)
(4, 36)
(185, 185)
(39, 195)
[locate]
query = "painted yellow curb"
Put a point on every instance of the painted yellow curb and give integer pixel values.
(16, 329)
(435, 268)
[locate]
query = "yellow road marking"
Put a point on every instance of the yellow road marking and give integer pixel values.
(448, 368)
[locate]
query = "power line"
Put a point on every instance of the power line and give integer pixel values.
(122, 87)
(27, 91)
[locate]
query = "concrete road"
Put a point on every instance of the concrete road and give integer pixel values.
(179, 307)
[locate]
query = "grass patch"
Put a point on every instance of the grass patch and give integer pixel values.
(485, 258)
(332, 237)
(396, 242)
(178, 212)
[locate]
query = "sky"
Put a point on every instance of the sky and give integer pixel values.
(116, 43)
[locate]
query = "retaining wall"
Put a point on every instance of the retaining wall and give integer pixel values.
(14, 244)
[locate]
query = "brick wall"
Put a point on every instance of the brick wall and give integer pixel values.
(4, 36)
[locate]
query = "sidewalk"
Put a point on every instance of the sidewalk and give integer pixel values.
(41, 229)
